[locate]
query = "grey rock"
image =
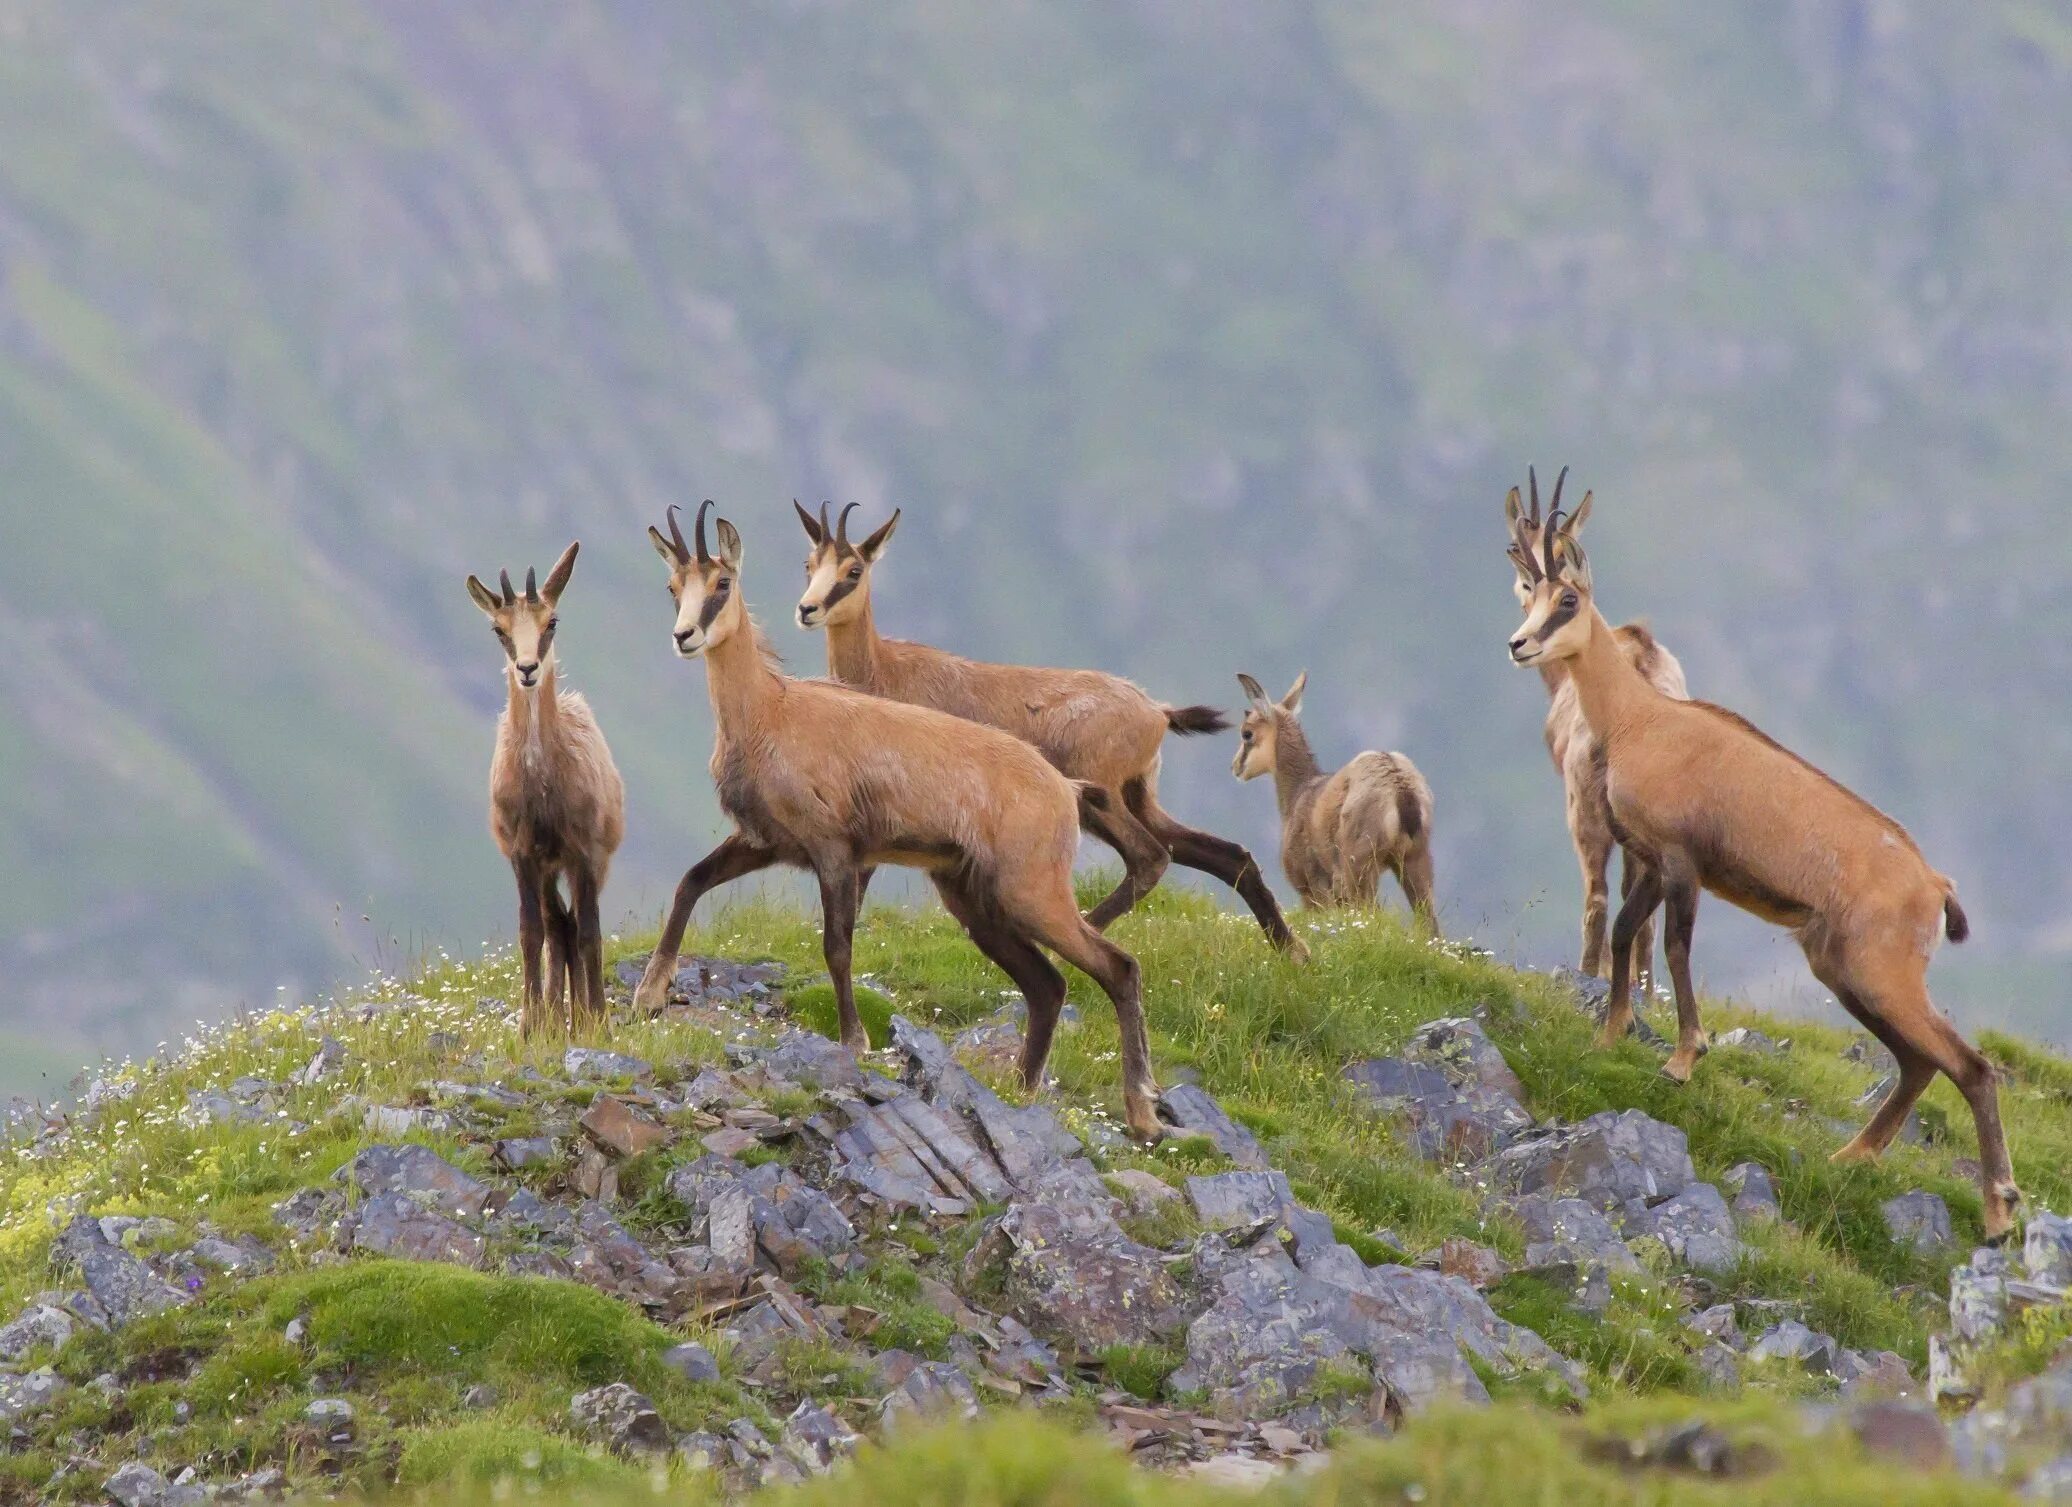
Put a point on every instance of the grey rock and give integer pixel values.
(1794, 1344)
(40, 1325)
(929, 1392)
(1695, 1226)
(808, 1058)
(1947, 1379)
(622, 1419)
(1079, 1290)
(1978, 1296)
(1717, 1322)
(595, 1065)
(330, 1060)
(309, 1213)
(520, 1152)
(768, 1212)
(332, 1418)
(691, 1362)
(1907, 1433)
(1447, 1121)
(1142, 1191)
(1719, 1366)
(1609, 1160)
(1748, 1039)
(1919, 1219)
(420, 1173)
(400, 1120)
(209, 1106)
(121, 1284)
(1569, 1231)
(2047, 1249)
(131, 1233)
(910, 1154)
(241, 1257)
(25, 1396)
(606, 1257)
(1459, 1047)
(1873, 1373)
(525, 1211)
(816, 1439)
(393, 1224)
(138, 1485)
(1191, 1111)
(480, 1397)
(1753, 1191)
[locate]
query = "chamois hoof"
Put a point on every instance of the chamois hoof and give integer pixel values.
(651, 999)
(1851, 1154)
(1296, 949)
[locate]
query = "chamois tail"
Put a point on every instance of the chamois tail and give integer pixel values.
(1189, 720)
(1956, 925)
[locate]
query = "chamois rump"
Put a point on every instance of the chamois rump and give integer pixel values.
(820, 776)
(1339, 832)
(1091, 726)
(1704, 800)
(557, 807)
(1574, 753)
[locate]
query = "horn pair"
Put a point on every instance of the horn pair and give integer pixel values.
(683, 550)
(532, 587)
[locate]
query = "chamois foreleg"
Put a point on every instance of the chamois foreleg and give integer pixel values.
(1144, 859)
(1618, 1006)
(1226, 860)
(561, 951)
(733, 858)
(1644, 939)
(1042, 986)
(532, 934)
(1121, 980)
(838, 902)
(1589, 829)
(1681, 893)
(588, 1010)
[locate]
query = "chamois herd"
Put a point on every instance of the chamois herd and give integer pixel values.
(984, 777)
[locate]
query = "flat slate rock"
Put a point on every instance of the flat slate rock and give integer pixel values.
(1192, 1112)
(1610, 1159)
(419, 1172)
(121, 1283)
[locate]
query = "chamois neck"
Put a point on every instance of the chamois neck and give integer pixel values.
(535, 711)
(1295, 768)
(852, 647)
(738, 676)
(1552, 676)
(1608, 688)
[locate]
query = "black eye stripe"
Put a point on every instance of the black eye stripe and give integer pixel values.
(1561, 617)
(840, 589)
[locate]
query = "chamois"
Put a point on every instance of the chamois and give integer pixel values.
(1339, 832)
(1704, 800)
(819, 776)
(1091, 726)
(1574, 753)
(557, 807)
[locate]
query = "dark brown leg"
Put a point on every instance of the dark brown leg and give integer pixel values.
(1416, 877)
(590, 1014)
(561, 951)
(732, 859)
(532, 933)
(1042, 986)
(1618, 1009)
(1226, 860)
(1144, 860)
(1682, 900)
(1644, 940)
(838, 897)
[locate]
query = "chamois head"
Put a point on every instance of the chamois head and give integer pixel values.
(1526, 527)
(525, 624)
(1554, 583)
(838, 573)
(708, 605)
(1258, 735)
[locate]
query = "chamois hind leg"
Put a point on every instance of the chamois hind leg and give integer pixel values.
(1144, 857)
(531, 936)
(1226, 860)
(733, 858)
(563, 972)
(1415, 875)
(1589, 829)
(1042, 986)
(1618, 1006)
(587, 1008)
(838, 901)
(1892, 989)
(1644, 940)
(1681, 893)
(1055, 921)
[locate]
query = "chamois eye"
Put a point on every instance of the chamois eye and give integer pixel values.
(553, 623)
(856, 572)
(719, 587)
(1246, 736)
(1569, 599)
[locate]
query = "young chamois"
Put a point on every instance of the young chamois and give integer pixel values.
(1574, 752)
(557, 807)
(1091, 726)
(1704, 800)
(818, 776)
(1339, 832)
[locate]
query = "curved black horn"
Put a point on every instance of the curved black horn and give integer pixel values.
(532, 585)
(1547, 543)
(510, 596)
(1533, 480)
(842, 529)
(683, 550)
(698, 532)
(827, 529)
(1557, 488)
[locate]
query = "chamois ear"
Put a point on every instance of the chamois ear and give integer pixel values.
(729, 545)
(557, 578)
(1575, 523)
(1574, 566)
(1254, 692)
(486, 599)
(812, 525)
(1292, 702)
(663, 548)
(874, 546)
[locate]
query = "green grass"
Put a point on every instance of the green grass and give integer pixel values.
(1266, 1037)
(814, 1008)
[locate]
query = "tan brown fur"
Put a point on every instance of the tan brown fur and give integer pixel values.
(1708, 802)
(1091, 726)
(1340, 832)
(821, 776)
(557, 808)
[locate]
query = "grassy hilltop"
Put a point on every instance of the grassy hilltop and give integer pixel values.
(220, 1383)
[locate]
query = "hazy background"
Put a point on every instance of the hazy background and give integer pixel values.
(1193, 335)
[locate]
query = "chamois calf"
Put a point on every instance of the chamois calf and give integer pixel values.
(557, 807)
(1574, 753)
(1339, 832)
(1091, 726)
(818, 776)
(1764, 829)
